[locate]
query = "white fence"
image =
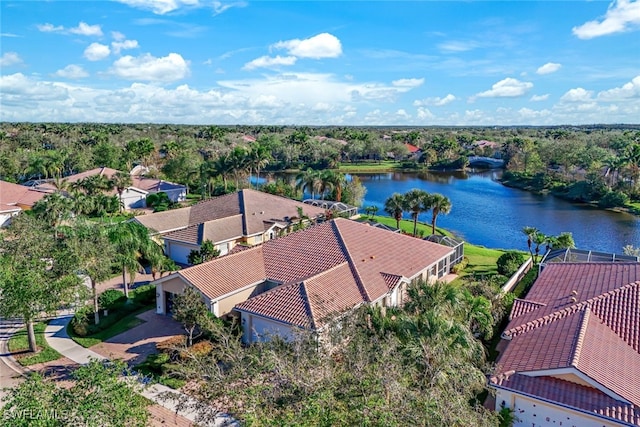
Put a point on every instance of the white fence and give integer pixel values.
(517, 276)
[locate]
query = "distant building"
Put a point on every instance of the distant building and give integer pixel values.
(16, 198)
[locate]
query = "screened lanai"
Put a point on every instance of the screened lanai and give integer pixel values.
(582, 255)
(339, 208)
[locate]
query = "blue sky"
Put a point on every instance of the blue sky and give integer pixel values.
(321, 62)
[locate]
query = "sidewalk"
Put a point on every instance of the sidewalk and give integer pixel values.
(57, 337)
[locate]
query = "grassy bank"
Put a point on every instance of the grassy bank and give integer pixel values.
(363, 167)
(19, 346)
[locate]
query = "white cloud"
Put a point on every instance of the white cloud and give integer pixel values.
(506, 88)
(96, 52)
(577, 95)
(50, 28)
(436, 101)
(408, 83)
(122, 45)
(82, 29)
(424, 113)
(323, 45)
(18, 89)
(622, 15)
(161, 7)
(627, 91)
(9, 35)
(117, 36)
(458, 46)
(538, 98)
(85, 29)
(149, 68)
(72, 71)
(10, 58)
(548, 68)
(270, 62)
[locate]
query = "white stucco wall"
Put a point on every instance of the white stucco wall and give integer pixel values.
(536, 413)
(256, 328)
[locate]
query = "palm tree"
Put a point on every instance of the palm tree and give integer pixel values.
(394, 206)
(337, 181)
(131, 241)
(95, 184)
(120, 181)
(308, 181)
(416, 201)
(239, 163)
(54, 208)
(439, 205)
(259, 157)
(538, 239)
(530, 232)
(223, 167)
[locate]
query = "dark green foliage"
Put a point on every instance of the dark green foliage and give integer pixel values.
(613, 199)
(207, 252)
(509, 262)
(111, 298)
(98, 396)
(159, 201)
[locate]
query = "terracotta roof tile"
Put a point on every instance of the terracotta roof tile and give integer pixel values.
(226, 274)
(582, 316)
(218, 230)
(309, 303)
(14, 194)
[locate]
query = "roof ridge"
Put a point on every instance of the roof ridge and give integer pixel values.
(352, 265)
(532, 324)
(577, 347)
(307, 303)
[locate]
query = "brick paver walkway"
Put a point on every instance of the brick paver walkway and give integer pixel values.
(134, 345)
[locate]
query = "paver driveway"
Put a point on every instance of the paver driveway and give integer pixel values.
(134, 345)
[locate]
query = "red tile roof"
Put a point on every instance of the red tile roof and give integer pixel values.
(582, 318)
(255, 206)
(228, 273)
(218, 230)
(412, 148)
(328, 264)
(12, 195)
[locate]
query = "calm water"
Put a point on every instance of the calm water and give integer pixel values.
(485, 212)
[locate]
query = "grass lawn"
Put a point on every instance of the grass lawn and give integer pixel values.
(20, 343)
(127, 322)
(382, 166)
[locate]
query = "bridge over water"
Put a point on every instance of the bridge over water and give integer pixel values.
(487, 162)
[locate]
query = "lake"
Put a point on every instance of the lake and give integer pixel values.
(485, 212)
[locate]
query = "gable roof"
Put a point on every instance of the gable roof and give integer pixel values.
(332, 267)
(580, 325)
(256, 208)
(218, 230)
(13, 195)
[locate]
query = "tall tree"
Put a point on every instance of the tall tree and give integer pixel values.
(416, 201)
(37, 273)
(439, 205)
(259, 156)
(131, 242)
(530, 232)
(394, 206)
(120, 181)
(54, 208)
(308, 181)
(94, 255)
(190, 310)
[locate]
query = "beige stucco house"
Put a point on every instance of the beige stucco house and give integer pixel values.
(307, 278)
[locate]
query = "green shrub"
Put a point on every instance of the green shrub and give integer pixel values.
(80, 321)
(509, 262)
(111, 298)
(144, 295)
(613, 199)
(461, 265)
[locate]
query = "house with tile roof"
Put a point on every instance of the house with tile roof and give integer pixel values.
(134, 196)
(308, 278)
(247, 216)
(572, 354)
(16, 198)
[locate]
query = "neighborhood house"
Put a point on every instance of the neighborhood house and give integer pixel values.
(305, 279)
(16, 198)
(572, 355)
(247, 216)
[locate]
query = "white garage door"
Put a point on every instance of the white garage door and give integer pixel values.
(179, 253)
(263, 328)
